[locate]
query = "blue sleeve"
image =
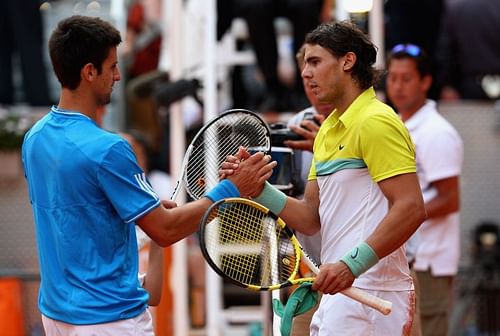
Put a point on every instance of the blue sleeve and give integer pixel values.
(125, 184)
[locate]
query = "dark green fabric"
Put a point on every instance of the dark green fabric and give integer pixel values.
(300, 301)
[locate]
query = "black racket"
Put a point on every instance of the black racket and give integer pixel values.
(252, 247)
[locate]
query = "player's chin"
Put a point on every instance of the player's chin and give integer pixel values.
(398, 101)
(105, 100)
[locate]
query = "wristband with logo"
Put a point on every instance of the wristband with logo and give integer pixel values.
(360, 259)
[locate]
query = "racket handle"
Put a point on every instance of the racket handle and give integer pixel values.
(383, 306)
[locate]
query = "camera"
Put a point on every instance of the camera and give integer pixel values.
(280, 132)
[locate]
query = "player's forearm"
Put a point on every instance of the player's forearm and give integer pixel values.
(301, 216)
(440, 207)
(154, 274)
(186, 219)
(167, 226)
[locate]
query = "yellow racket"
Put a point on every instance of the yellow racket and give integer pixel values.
(252, 247)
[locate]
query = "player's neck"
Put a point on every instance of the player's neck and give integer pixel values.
(407, 113)
(350, 94)
(75, 100)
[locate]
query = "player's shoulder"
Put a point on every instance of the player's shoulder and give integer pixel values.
(100, 144)
(435, 123)
(38, 126)
(377, 114)
(111, 142)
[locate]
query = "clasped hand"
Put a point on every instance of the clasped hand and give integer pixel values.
(248, 171)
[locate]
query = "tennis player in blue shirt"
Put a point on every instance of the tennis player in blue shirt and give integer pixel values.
(88, 192)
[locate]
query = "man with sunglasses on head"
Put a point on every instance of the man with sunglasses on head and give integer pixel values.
(439, 163)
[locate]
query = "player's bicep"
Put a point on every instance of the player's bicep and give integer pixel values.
(402, 188)
(149, 222)
(406, 213)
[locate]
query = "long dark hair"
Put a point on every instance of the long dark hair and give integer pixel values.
(339, 38)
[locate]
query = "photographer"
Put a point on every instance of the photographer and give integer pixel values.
(305, 125)
(299, 136)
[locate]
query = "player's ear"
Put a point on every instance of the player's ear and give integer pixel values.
(349, 61)
(427, 82)
(88, 72)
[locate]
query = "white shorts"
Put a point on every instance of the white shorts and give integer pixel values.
(340, 315)
(141, 325)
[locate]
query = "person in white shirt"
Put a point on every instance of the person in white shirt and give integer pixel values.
(439, 155)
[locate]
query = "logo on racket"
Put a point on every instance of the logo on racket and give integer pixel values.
(201, 182)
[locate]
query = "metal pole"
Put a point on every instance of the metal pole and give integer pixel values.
(173, 31)
(213, 282)
(376, 29)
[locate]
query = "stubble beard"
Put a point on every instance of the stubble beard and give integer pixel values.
(104, 100)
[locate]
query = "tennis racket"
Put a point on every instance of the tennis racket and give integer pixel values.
(209, 148)
(252, 247)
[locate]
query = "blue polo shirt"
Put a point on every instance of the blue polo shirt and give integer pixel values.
(86, 190)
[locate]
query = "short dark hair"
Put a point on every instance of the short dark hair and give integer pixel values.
(79, 40)
(414, 52)
(342, 37)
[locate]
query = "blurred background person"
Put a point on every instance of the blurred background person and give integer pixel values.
(21, 43)
(151, 255)
(151, 259)
(143, 38)
(260, 15)
(439, 156)
(405, 24)
(308, 129)
(469, 50)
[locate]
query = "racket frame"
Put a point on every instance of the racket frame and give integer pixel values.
(383, 306)
(182, 180)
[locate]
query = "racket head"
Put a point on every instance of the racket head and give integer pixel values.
(219, 138)
(249, 245)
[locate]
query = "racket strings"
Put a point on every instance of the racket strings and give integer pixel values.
(237, 246)
(249, 246)
(220, 139)
(224, 138)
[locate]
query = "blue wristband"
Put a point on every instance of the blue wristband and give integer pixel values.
(360, 259)
(224, 189)
(271, 198)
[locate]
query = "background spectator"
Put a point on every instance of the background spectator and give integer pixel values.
(469, 50)
(260, 16)
(22, 37)
(405, 23)
(439, 155)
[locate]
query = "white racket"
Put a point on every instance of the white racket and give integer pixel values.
(220, 137)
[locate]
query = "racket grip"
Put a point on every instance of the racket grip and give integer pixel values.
(383, 306)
